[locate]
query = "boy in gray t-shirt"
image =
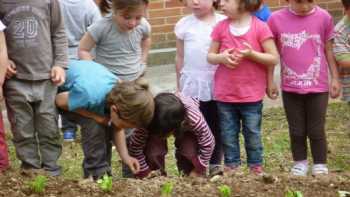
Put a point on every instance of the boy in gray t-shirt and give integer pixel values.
(37, 45)
(122, 41)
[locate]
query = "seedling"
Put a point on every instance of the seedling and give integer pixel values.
(291, 193)
(38, 184)
(225, 191)
(105, 183)
(166, 189)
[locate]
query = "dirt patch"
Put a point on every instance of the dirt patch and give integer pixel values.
(13, 183)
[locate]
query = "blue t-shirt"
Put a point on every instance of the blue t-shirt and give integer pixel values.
(88, 84)
(263, 13)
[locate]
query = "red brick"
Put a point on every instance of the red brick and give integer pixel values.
(163, 29)
(158, 38)
(156, 5)
(273, 3)
(157, 21)
(165, 12)
(170, 36)
(335, 6)
(186, 11)
(173, 3)
(173, 19)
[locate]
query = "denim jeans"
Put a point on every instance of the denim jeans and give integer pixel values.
(233, 117)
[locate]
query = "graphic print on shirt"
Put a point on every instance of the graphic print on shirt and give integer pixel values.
(24, 25)
(298, 42)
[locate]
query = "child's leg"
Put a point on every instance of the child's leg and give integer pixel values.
(210, 113)
(46, 125)
(316, 108)
(96, 144)
(19, 96)
(186, 154)
(294, 106)
(251, 122)
(155, 152)
(4, 162)
(230, 126)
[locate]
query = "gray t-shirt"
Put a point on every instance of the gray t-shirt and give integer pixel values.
(78, 16)
(119, 51)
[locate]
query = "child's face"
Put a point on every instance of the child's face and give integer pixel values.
(200, 8)
(118, 121)
(230, 8)
(301, 7)
(127, 21)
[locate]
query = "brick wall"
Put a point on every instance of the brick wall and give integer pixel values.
(163, 14)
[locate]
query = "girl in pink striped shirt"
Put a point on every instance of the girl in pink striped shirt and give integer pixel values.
(178, 115)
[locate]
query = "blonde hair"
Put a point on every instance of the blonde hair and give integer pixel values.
(134, 101)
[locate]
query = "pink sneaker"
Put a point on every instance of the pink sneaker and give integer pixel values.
(256, 169)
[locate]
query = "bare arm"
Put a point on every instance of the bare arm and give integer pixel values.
(4, 61)
(85, 45)
(268, 58)
(145, 46)
(213, 53)
(335, 83)
(179, 60)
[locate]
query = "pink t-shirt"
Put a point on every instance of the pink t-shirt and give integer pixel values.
(247, 82)
(301, 44)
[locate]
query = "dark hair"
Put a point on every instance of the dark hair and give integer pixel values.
(216, 3)
(105, 6)
(128, 5)
(249, 5)
(346, 4)
(169, 115)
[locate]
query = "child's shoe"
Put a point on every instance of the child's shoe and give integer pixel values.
(300, 168)
(256, 169)
(215, 170)
(319, 169)
(69, 135)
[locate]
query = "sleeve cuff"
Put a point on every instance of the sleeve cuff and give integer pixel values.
(198, 166)
(142, 174)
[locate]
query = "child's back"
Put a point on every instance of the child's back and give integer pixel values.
(78, 16)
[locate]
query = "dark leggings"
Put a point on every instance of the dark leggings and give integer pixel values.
(210, 113)
(306, 119)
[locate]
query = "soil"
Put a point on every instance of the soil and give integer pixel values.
(14, 183)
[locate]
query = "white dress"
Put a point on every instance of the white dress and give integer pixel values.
(197, 75)
(2, 26)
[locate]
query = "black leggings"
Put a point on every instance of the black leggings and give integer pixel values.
(306, 115)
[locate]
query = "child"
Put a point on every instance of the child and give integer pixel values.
(37, 45)
(305, 45)
(341, 50)
(4, 163)
(78, 16)
(243, 47)
(121, 39)
(194, 74)
(129, 103)
(194, 142)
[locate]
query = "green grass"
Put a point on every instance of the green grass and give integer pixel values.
(277, 156)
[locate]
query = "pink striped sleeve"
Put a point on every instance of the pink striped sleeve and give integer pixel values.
(136, 145)
(201, 130)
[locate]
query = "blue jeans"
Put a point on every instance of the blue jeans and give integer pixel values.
(233, 117)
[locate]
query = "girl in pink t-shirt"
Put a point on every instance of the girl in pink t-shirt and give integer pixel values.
(305, 45)
(244, 48)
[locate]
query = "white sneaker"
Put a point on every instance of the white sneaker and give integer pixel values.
(300, 168)
(319, 169)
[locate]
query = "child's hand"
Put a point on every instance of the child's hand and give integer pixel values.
(272, 90)
(58, 75)
(231, 58)
(247, 51)
(11, 69)
(335, 88)
(133, 164)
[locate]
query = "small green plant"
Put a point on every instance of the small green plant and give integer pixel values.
(225, 191)
(38, 184)
(291, 193)
(105, 183)
(166, 189)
